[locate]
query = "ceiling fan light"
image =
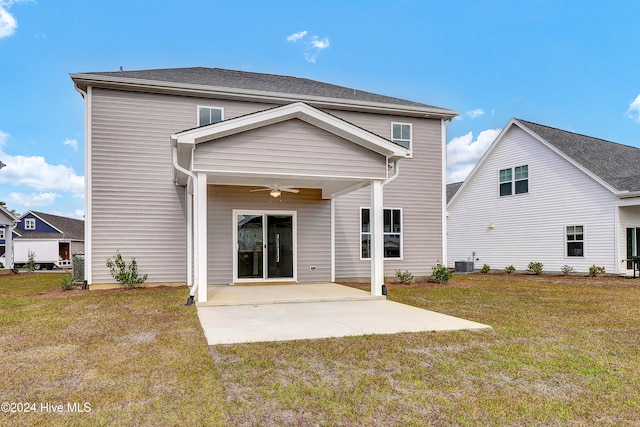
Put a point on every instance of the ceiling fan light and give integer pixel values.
(275, 193)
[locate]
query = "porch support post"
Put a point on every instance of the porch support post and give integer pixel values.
(201, 237)
(8, 244)
(333, 239)
(377, 238)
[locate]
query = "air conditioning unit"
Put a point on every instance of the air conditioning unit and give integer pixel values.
(464, 266)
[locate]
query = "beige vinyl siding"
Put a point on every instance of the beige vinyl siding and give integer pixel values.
(417, 191)
(532, 226)
(290, 147)
(313, 232)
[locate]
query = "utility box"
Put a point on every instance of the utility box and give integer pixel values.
(464, 266)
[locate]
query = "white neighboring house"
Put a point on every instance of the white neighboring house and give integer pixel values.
(7, 223)
(546, 195)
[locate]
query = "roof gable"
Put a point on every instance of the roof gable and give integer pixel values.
(53, 226)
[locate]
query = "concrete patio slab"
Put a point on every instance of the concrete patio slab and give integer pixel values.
(311, 317)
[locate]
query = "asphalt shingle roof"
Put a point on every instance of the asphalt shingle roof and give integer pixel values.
(616, 164)
(452, 189)
(217, 77)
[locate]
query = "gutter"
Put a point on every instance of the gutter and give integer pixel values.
(192, 177)
(396, 172)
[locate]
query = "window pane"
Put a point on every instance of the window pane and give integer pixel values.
(574, 248)
(522, 186)
(522, 172)
(406, 131)
(505, 189)
(397, 131)
(366, 246)
(505, 175)
(216, 115)
(392, 246)
(204, 117)
(366, 227)
(396, 227)
(387, 220)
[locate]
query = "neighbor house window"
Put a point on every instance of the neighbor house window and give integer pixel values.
(575, 240)
(30, 224)
(514, 180)
(401, 134)
(209, 115)
(633, 244)
(1, 233)
(392, 233)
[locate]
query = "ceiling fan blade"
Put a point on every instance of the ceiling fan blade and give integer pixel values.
(260, 189)
(290, 190)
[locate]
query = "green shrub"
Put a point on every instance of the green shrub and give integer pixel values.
(67, 282)
(125, 274)
(404, 277)
(440, 273)
(509, 269)
(485, 269)
(31, 260)
(594, 270)
(567, 269)
(535, 267)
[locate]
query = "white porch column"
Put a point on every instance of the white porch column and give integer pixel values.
(333, 239)
(8, 244)
(377, 238)
(201, 237)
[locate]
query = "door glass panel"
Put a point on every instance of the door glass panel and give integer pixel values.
(280, 246)
(250, 246)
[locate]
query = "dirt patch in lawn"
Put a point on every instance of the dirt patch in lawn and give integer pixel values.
(59, 293)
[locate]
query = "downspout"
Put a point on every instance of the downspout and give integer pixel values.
(396, 172)
(88, 208)
(191, 175)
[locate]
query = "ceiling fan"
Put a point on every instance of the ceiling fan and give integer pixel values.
(276, 190)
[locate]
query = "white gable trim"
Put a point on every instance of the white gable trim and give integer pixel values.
(297, 110)
(515, 122)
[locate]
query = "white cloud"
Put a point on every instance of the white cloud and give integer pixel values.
(463, 153)
(34, 199)
(34, 172)
(312, 46)
(634, 110)
(73, 143)
(3, 138)
(296, 36)
(478, 112)
(8, 23)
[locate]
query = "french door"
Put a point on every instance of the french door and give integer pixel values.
(265, 246)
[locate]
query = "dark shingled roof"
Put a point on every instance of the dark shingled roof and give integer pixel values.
(616, 164)
(452, 189)
(217, 77)
(71, 228)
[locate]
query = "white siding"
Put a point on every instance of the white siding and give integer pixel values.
(290, 147)
(417, 191)
(313, 221)
(531, 227)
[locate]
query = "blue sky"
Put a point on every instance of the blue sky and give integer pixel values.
(573, 65)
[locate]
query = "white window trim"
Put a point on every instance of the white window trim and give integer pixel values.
(211, 108)
(410, 148)
(28, 222)
(566, 242)
(401, 257)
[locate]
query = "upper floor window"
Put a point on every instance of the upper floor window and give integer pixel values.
(209, 115)
(401, 134)
(29, 223)
(514, 180)
(392, 233)
(575, 240)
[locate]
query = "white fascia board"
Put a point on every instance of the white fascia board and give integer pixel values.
(258, 95)
(297, 110)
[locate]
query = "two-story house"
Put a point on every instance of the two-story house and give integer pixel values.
(211, 176)
(541, 194)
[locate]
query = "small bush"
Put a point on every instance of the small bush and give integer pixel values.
(404, 277)
(567, 269)
(485, 269)
(440, 273)
(535, 267)
(125, 274)
(31, 260)
(67, 282)
(509, 269)
(595, 270)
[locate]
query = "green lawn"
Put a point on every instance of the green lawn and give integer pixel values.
(563, 351)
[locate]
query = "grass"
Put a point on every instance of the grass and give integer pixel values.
(563, 351)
